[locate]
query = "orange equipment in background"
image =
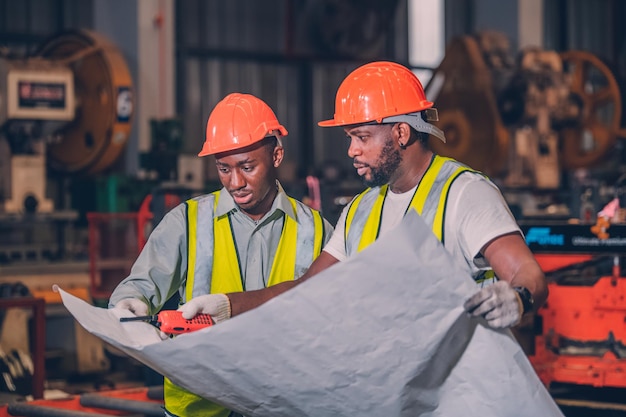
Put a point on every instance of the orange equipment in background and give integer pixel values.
(583, 323)
(146, 401)
(113, 248)
(116, 239)
(145, 216)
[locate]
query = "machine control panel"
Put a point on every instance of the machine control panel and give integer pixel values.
(37, 92)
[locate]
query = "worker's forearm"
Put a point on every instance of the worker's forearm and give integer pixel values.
(513, 262)
(240, 302)
(533, 278)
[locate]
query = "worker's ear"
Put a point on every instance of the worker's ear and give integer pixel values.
(403, 134)
(277, 155)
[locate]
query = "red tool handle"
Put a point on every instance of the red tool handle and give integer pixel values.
(173, 322)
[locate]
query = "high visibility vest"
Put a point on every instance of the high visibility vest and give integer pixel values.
(212, 257)
(365, 211)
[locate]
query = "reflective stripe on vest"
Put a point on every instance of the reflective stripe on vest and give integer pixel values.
(364, 215)
(223, 264)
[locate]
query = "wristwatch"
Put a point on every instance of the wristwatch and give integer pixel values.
(528, 302)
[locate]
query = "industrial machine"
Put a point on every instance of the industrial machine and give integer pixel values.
(581, 332)
(545, 126)
(67, 108)
(65, 113)
(525, 119)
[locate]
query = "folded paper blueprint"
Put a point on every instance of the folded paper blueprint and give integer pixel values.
(381, 334)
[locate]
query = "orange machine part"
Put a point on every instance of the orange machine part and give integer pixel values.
(73, 404)
(145, 216)
(585, 314)
(605, 371)
(112, 250)
(103, 87)
(551, 262)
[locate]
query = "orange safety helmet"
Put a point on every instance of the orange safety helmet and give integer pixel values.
(239, 120)
(383, 92)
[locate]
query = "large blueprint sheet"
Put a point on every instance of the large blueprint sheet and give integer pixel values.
(382, 334)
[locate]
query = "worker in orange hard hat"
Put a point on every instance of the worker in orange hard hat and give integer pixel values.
(370, 95)
(247, 236)
(383, 110)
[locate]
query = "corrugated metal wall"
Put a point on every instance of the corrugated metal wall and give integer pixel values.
(294, 53)
(597, 27)
(283, 52)
(25, 23)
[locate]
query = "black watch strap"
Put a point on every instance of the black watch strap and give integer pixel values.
(528, 303)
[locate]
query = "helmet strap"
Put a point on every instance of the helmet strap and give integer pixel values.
(416, 121)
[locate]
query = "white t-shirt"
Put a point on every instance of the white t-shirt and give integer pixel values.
(476, 213)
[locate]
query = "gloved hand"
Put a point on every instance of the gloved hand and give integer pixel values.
(139, 308)
(216, 305)
(499, 303)
(136, 306)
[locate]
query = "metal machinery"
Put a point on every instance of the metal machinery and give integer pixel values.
(583, 332)
(69, 104)
(64, 111)
(533, 124)
(525, 119)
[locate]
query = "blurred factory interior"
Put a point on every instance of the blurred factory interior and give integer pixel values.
(103, 105)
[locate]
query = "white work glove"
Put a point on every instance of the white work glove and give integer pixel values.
(139, 308)
(134, 305)
(499, 304)
(216, 305)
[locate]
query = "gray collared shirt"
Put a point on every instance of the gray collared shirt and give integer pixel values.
(159, 270)
(256, 241)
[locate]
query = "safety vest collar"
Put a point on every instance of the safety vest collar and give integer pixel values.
(282, 202)
(226, 204)
(429, 200)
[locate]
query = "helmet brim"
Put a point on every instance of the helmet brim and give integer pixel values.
(328, 123)
(334, 123)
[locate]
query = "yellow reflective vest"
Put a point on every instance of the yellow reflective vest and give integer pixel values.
(364, 214)
(212, 253)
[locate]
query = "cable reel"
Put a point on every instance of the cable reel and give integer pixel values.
(104, 102)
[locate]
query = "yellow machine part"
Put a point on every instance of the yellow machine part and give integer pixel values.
(104, 97)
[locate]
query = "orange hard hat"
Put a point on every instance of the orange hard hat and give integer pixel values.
(383, 92)
(375, 91)
(239, 120)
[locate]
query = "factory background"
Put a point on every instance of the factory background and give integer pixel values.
(531, 92)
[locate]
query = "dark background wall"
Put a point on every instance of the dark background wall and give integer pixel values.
(294, 53)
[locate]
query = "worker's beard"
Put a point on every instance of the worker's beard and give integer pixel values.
(388, 162)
